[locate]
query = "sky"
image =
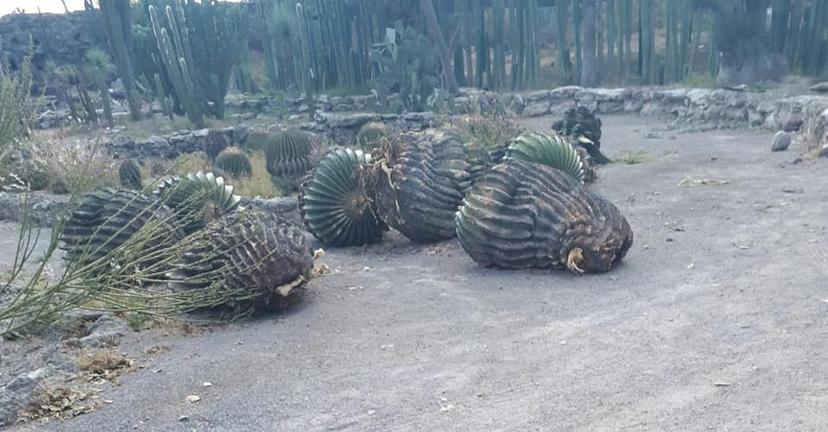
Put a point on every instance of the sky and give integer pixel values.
(7, 6)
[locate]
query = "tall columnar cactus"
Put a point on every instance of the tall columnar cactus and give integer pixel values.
(174, 47)
(116, 16)
(130, 175)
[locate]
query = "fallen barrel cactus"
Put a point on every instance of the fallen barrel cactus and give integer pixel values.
(419, 182)
(334, 204)
(523, 214)
(549, 149)
(248, 261)
(106, 219)
(197, 198)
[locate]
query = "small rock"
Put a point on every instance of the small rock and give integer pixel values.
(184, 419)
(192, 399)
(820, 87)
(781, 141)
(792, 125)
(823, 151)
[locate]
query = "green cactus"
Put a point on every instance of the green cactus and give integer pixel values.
(370, 135)
(334, 204)
(197, 199)
(548, 149)
(130, 175)
(234, 162)
(249, 261)
(287, 155)
(105, 219)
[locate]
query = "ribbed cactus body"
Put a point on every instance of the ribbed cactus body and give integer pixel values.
(130, 175)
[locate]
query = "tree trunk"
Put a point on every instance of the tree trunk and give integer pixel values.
(436, 34)
(588, 72)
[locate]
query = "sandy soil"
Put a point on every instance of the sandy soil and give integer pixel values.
(717, 320)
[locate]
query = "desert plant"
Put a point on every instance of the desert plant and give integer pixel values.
(334, 204)
(263, 265)
(105, 219)
(97, 69)
(197, 199)
(234, 162)
(16, 108)
(523, 214)
(130, 175)
(287, 155)
(370, 135)
(548, 149)
(117, 20)
(582, 126)
(418, 182)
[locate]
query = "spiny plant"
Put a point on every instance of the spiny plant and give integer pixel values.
(370, 135)
(548, 149)
(105, 219)
(263, 265)
(197, 198)
(584, 127)
(418, 183)
(523, 214)
(234, 162)
(130, 175)
(334, 204)
(287, 155)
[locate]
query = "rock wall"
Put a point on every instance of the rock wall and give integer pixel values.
(60, 38)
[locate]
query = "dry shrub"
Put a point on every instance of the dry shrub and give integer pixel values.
(106, 364)
(68, 166)
(60, 403)
(484, 134)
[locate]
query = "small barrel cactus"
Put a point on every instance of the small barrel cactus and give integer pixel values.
(197, 199)
(249, 261)
(549, 149)
(130, 175)
(105, 219)
(257, 139)
(334, 204)
(370, 136)
(418, 182)
(523, 214)
(287, 155)
(234, 162)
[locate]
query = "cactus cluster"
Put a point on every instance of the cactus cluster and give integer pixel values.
(523, 214)
(334, 204)
(130, 175)
(105, 219)
(234, 162)
(418, 183)
(263, 265)
(197, 199)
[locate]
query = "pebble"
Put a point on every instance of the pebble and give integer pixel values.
(781, 141)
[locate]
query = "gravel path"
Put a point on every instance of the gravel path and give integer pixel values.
(717, 320)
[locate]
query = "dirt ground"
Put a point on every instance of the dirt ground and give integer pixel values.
(716, 320)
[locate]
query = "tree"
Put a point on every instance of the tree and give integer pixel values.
(746, 53)
(116, 16)
(588, 72)
(436, 35)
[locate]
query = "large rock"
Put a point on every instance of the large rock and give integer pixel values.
(781, 141)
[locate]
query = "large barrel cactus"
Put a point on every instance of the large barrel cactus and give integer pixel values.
(197, 198)
(523, 214)
(232, 161)
(549, 149)
(334, 204)
(246, 261)
(106, 219)
(287, 155)
(584, 127)
(130, 175)
(419, 182)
